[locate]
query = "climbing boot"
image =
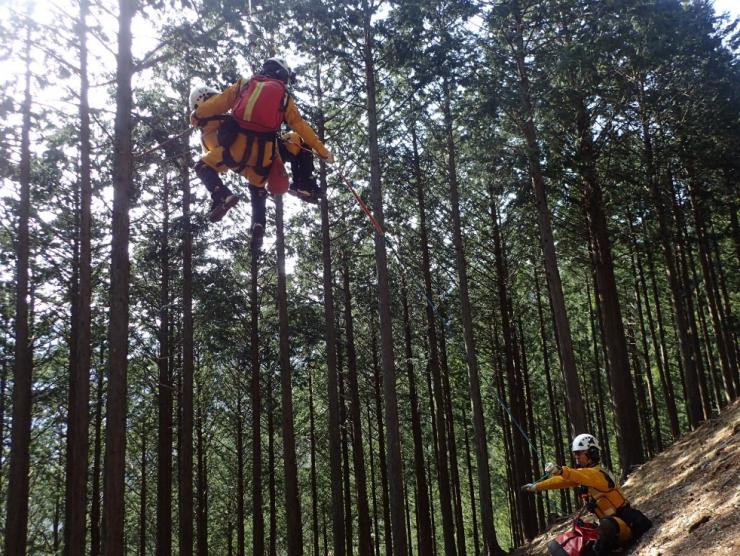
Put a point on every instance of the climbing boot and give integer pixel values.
(306, 190)
(221, 201)
(258, 233)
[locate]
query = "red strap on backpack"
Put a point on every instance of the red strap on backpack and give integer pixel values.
(260, 106)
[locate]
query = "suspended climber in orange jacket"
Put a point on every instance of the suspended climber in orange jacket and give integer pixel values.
(239, 131)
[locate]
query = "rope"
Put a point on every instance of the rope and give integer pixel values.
(163, 143)
(347, 182)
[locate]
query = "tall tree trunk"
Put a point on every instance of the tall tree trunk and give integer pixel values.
(443, 481)
(290, 466)
(335, 447)
(490, 543)
(201, 517)
(314, 489)
(16, 517)
(531, 426)
(451, 440)
(471, 484)
(687, 288)
(726, 355)
(143, 494)
(186, 411)
(552, 273)
(240, 488)
(646, 356)
(79, 392)
(345, 445)
(557, 436)
(272, 540)
(387, 534)
(115, 443)
(423, 521)
(660, 357)
(395, 476)
(95, 537)
(688, 357)
(358, 457)
(373, 494)
(164, 443)
(258, 519)
(623, 395)
(520, 457)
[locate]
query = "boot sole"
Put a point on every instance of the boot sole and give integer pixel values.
(220, 211)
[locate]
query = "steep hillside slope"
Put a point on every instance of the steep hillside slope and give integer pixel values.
(691, 491)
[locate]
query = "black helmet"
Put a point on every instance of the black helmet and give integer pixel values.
(278, 68)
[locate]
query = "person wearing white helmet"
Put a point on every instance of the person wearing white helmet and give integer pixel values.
(247, 117)
(222, 199)
(619, 523)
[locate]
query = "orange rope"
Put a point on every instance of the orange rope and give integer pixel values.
(348, 183)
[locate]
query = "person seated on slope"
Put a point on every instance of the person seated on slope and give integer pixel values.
(619, 523)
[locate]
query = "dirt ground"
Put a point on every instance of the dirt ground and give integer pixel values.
(691, 492)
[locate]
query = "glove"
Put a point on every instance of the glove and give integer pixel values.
(329, 159)
(553, 469)
(194, 121)
(529, 487)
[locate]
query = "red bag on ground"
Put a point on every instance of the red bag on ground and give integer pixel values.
(575, 542)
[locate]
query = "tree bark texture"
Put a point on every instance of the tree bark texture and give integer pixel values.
(16, 518)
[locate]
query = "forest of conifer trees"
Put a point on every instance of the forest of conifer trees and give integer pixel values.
(557, 186)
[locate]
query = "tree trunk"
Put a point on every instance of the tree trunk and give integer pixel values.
(387, 534)
(623, 395)
(345, 446)
(143, 495)
(471, 485)
(520, 457)
(164, 443)
(726, 355)
(115, 443)
(358, 457)
(443, 481)
(314, 493)
(240, 489)
(490, 543)
(186, 411)
(423, 521)
(688, 357)
(201, 517)
(451, 441)
(79, 393)
(258, 520)
(395, 476)
(688, 297)
(646, 355)
(373, 494)
(293, 521)
(95, 536)
(16, 518)
(552, 273)
(335, 442)
(660, 357)
(272, 541)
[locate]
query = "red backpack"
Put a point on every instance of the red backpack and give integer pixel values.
(260, 106)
